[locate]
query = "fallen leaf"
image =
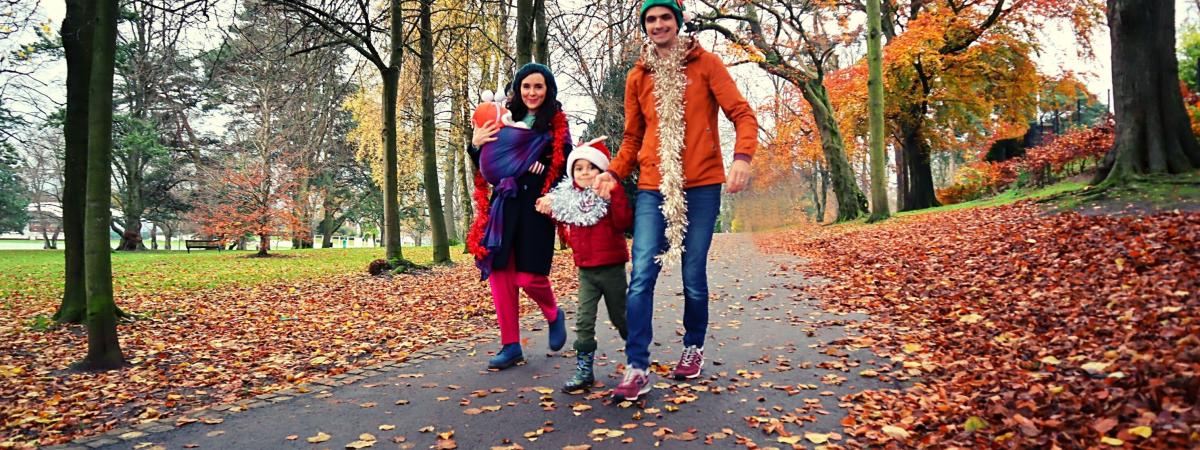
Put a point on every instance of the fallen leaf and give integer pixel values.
(320, 437)
(1112, 441)
(895, 432)
(1142, 431)
(974, 423)
(816, 438)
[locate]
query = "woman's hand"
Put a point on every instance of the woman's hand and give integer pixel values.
(543, 205)
(485, 134)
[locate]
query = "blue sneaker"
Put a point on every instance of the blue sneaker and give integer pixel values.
(509, 356)
(558, 331)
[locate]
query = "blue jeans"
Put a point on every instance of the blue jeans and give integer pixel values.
(649, 240)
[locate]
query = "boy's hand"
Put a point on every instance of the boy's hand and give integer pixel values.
(543, 204)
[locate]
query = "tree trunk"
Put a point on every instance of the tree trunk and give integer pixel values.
(524, 32)
(264, 244)
(817, 186)
(104, 349)
(465, 171)
(916, 149)
(391, 81)
(77, 28)
(168, 234)
(824, 192)
(329, 225)
(153, 236)
(131, 237)
(433, 194)
(901, 178)
(1153, 134)
(879, 205)
(851, 201)
(541, 46)
(451, 167)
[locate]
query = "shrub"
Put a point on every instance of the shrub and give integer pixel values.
(1064, 155)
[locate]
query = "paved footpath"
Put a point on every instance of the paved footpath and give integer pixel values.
(774, 359)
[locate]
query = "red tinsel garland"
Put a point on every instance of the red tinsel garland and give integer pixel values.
(558, 125)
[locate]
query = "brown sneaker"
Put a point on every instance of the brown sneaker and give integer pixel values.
(690, 363)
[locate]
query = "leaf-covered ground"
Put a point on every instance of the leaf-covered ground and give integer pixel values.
(193, 348)
(1026, 329)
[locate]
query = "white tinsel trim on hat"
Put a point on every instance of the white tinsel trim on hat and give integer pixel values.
(574, 206)
(669, 84)
(587, 153)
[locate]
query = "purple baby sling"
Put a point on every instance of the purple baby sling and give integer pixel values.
(500, 163)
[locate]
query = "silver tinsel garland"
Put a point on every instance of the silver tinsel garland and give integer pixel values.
(573, 206)
(669, 84)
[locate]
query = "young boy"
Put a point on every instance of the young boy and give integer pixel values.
(596, 232)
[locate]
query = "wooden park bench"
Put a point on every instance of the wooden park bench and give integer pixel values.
(202, 243)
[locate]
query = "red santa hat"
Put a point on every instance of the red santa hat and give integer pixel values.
(596, 153)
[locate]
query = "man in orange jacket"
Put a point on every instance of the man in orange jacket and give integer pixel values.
(671, 99)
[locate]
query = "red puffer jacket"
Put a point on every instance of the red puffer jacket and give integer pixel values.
(604, 243)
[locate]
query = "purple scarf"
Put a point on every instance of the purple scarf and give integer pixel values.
(500, 163)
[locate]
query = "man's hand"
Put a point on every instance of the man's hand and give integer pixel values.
(739, 176)
(604, 184)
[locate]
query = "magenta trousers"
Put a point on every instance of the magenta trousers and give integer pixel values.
(505, 283)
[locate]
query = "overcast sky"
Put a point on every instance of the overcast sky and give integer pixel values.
(1058, 54)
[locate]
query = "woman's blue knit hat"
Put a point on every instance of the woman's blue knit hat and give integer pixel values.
(530, 69)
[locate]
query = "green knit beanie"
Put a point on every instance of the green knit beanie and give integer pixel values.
(676, 7)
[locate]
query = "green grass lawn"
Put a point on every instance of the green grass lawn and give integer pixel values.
(39, 273)
(1004, 198)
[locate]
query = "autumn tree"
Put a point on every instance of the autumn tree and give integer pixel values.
(1153, 134)
(943, 54)
(356, 24)
(799, 54)
(249, 193)
(42, 171)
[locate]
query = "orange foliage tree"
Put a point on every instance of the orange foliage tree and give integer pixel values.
(959, 68)
(250, 196)
(788, 40)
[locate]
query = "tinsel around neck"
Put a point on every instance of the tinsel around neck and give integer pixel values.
(669, 84)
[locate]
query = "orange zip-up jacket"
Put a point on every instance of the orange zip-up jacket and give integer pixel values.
(709, 86)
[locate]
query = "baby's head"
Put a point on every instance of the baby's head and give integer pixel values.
(586, 162)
